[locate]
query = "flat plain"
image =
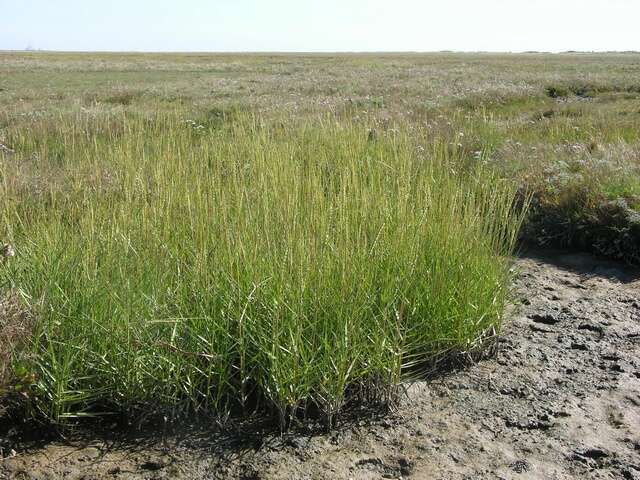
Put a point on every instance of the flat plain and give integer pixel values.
(314, 245)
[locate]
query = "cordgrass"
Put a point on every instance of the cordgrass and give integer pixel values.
(242, 265)
(287, 234)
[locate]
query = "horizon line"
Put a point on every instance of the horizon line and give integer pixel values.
(323, 52)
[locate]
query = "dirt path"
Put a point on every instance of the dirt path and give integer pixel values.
(560, 400)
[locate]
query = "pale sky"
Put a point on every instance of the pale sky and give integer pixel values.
(322, 25)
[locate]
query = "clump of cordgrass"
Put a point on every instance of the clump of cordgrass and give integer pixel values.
(241, 270)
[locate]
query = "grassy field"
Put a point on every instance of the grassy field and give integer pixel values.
(288, 233)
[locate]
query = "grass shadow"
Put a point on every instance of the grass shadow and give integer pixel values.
(582, 263)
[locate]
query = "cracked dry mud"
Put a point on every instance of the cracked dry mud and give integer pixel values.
(560, 400)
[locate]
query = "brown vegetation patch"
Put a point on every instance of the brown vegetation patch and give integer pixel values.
(15, 328)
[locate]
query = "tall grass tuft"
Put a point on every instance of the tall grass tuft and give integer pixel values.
(244, 267)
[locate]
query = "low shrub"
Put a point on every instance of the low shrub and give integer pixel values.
(124, 97)
(557, 91)
(578, 89)
(610, 228)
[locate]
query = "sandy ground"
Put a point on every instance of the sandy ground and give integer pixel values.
(560, 400)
